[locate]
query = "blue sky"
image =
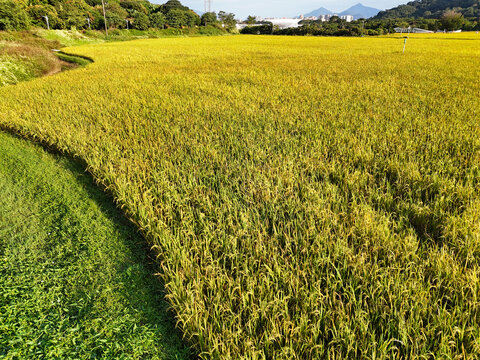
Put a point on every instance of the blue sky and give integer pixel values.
(284, 8)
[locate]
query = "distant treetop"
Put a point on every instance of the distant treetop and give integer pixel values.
(432, 9)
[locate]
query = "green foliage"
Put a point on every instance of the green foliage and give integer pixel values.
(73, 59)
(432, 9)
(178, 18)
(192, 19)
(20, 62)
(208, 18)
(13, 16)
(258, 30)
(74, 284)
(210, 31)
(172, 5)
(141, 21)
(227, 19)
(37, 13)
(73, 14)
(452, 20)
(116, 15)
(251, 20)
(133, 6)
(158, 20)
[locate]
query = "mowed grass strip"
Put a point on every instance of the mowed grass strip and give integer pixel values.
(308, 197)
(75, 282)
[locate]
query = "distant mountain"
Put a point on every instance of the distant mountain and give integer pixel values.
(318, 12)
(360, 11)
(432, 9)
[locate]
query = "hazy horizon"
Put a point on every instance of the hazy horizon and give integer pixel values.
(283, 8)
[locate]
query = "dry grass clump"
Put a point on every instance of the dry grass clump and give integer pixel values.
(307, 197)
(24, 56)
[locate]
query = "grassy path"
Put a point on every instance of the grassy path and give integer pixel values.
(74, 277)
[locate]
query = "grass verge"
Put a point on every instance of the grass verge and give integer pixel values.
(74, 276)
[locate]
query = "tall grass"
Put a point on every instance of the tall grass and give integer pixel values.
(307, 197)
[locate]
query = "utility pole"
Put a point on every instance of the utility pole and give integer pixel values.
(105, 17)
(208, 5)
(48, 24)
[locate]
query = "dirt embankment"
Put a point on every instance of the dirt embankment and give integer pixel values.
(23, 56)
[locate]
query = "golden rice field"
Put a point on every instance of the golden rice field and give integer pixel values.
(308, 198)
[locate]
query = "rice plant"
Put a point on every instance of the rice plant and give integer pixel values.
(307, 197)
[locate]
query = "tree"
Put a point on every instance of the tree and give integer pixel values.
(191, 19)
(141, 21)
(133, 6)
(13, 16)
(158, 20)
(116, 15)
(251, 20)
(227, 19)
(452, 20)
(208, 18)
(176, 18)
(172, 5)
(73, 13)
(37, 15)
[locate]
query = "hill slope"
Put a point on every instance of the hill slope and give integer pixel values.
(318, 12)
(360, 11)
(432, 9)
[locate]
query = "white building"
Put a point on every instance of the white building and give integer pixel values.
(324, 17)
(347, 18)
(410, 30)
(285, 23)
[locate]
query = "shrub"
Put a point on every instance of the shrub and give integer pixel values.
(13, 16)
(158, 20)
(141, 21)
(37, 13)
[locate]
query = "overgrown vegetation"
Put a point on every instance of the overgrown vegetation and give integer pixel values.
(448, 21)
(21, 62)
(90, 15)
(74, 276)
(27, 55)
(433, 15)
(307, 197)
(433, 9)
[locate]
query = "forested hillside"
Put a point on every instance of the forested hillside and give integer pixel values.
(432, 9)
(89, 14)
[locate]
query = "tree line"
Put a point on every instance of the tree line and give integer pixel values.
(449, 21)
(119, 14)
(432, 9)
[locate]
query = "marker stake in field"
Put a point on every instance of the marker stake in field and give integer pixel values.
(405, 44)
(46, 20)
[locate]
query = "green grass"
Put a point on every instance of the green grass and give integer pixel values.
(72, 59)
(75, 280)
(89, 37)
(13, 71)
